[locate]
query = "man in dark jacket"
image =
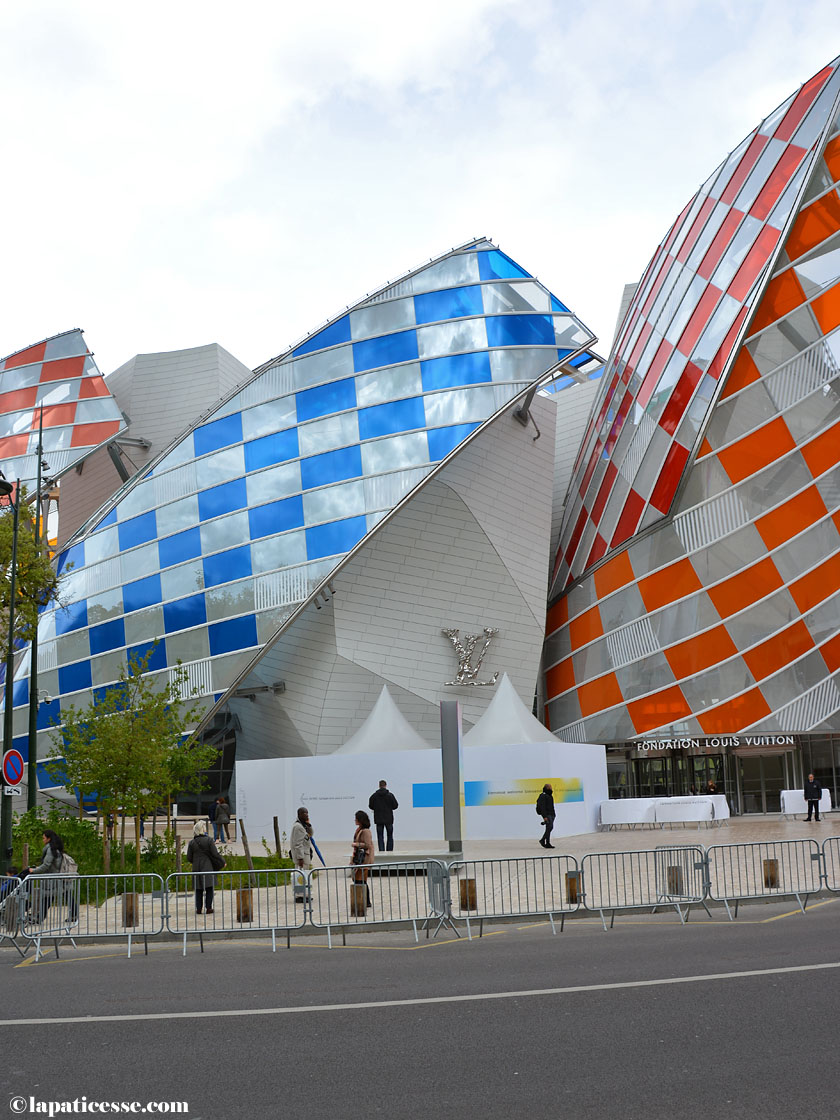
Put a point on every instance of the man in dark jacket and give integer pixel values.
(813, 793)
(382, 804)
(545, 808)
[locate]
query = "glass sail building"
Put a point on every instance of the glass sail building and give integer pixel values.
(222, 551)
(693, 617)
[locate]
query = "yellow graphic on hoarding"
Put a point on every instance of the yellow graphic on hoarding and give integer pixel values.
(523, 791)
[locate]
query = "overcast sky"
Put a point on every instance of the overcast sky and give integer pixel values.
(181, 173)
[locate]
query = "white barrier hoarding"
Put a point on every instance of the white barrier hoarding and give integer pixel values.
(501, 785)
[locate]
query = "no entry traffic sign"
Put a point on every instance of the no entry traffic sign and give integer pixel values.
(12, 767)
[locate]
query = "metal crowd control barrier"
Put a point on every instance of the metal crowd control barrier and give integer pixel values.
(410, 892)
(764, 870)
(644, 880)
(831, 863)
(11, 905)
(532, 886)
(239, 900)
(55, 907)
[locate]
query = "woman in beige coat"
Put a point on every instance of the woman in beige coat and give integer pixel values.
(361, 850)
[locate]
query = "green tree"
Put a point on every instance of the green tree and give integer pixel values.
(132, 748)
(36, 582)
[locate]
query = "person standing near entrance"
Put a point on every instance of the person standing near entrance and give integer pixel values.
(382, 804)
(545, 808)
(813, 793)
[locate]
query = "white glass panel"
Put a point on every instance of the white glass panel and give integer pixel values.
(527, 296)
(224, 532)
(333, 502)
(451, 338)
(459, 269)
(175, 516)
(517, 364)
(139, 562)
(54, 392)
(141, 626)
(233, 599)
(329, 365)
(102, 545)
(332, 431)
(221, 466)
(278, 552)
(458, 406)
(398, 451)
(382, 318)
(569, 333)
(389, 384)
(276, 482)
(182, 452)
(106, 605)
(186, 579)
(270, 417)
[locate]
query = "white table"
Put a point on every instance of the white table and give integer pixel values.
(684, 809)
(794, 803)
(628, 810)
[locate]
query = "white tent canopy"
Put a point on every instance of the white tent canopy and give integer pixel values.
(507, 720)
(385, 729)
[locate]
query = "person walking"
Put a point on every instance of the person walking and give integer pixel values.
(545, 809)
(813, 793)
(361, 851)
(205, 858)
(211, 816)
(300, 850)
(223, 818)
(382, 804)
(44, 894)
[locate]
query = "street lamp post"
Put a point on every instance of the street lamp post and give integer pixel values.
(32, 766)
(6, 491)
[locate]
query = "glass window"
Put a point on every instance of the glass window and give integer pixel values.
(217, 434)
(332, 466)
(105, 669)
(460, 268)
(222, 499)
(183, 580)
(734, 256)
(569, 333)
(234, 599)
(180, 547)
(138, 499)
(107, 635)
(182, 452)
(73, 647)
(223, 532)
(138, 530)
(516, 297)
(155, 651)
(139, 562)
(235, 633)
(388, 350)
(275, 517)
(227, 566)
(333, 502)
(175, 516)
(335, 397)
(191, 645)
(278, 552)
(385, 419)
(95, 411)
(271, 449)
(335, 537)
(451, 303)
(101, 546)
(444, 440)
(184, 613)
(398, 451)
(382, 318)
(520, 330)
(518, 365)
(335, 333)
(142, 593)
(276, 482)
(458, 406)
(388, 384)
(108, 604)
(269, 417)
(73, 678)
(144, 625)
(458, 369)
(329, 365)
(222, 466)
(333, 431)
(495, 265)
(449, 338)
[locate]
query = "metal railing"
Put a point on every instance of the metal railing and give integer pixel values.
(527, 887)
(10, 908)
(55, 907)
(646, 880)
(831, 863)
(411, 892)
(764, 870)
(232, 901)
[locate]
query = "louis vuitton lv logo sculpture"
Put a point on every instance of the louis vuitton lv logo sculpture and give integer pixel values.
(467, 672)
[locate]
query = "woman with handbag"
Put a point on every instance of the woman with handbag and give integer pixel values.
(205, 858)
(361, 851)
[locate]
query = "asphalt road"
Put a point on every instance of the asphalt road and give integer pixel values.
(651, 1019)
